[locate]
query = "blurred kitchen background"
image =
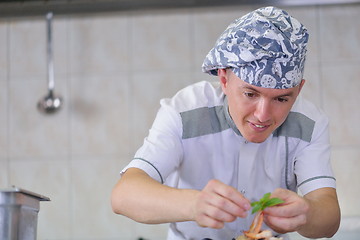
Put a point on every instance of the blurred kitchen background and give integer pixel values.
(112, 68)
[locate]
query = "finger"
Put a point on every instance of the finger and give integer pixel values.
(290, 209)
(213, 206)
(210, 216)
(230, 207)
(283, 225)
(280, 193)
(293, 205)
(284, 211)
(231, 194)
(219, 214)
(226, 208)
(206, 221)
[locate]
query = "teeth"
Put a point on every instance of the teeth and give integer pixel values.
(259, 126)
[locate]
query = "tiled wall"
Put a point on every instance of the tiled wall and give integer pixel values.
(111, 70)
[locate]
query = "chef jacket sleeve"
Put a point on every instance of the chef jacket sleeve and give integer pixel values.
(312, 166)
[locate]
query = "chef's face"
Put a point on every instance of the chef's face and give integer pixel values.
(256, 111)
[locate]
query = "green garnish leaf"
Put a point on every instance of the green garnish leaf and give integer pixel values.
(256, 208)
(265, 197)
(272, 202)
(265, 202)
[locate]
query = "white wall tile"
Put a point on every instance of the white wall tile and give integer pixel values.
(27, 42)
(28, 47)
(31, 133)
(92, 183)
(346, 165)
(4, 173)
(99, 44)
(207, 28)
(51, 179)
(312, 90)
(340, 33)
(160, 42)
(60, 35)
(3, 50)
(147, 90)
(99, 114)
(341, 98)
(198, 76)
(3, 119)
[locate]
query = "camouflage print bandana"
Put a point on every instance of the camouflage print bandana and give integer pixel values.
(266, 48)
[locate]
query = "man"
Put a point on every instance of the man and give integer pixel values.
(218, 146)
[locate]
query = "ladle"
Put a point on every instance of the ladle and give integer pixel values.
(51, 102)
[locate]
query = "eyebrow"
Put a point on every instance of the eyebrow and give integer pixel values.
(290, 94)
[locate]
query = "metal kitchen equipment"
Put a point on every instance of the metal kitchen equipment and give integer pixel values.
(19, 213)
(51, 102)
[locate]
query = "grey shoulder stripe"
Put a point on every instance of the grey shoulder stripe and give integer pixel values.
(297, 125)
(202, 121)
(161, 178)
(314, 178)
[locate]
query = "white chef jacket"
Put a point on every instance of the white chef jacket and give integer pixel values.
(193, 140)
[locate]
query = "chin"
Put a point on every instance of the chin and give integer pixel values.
(256, 139)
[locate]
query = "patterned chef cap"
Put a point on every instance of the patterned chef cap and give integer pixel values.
(266, 48)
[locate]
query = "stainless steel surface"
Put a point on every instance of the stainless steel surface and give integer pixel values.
(22, 8)
(51, 103)
(19, 213)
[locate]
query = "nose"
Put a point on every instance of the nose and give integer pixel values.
(263, 111)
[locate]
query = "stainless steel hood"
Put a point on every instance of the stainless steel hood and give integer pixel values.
(19, 8)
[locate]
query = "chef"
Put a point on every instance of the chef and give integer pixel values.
(217, 146)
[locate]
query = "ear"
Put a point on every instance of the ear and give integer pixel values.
(223, 78)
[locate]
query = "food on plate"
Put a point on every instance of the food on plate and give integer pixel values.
(258, 207)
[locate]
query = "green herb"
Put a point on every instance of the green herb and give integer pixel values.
(265, 202)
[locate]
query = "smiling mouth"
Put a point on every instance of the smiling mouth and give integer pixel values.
(259, 127)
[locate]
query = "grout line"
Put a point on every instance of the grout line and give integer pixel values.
(194, 68)
(130, 84)
(8, 44)
(319, 58)
(191, 19)
(69, 158)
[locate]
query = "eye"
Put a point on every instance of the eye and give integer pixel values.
(249, 94)
(281, 99)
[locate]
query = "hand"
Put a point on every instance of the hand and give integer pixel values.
(288, 216)
(218, 203)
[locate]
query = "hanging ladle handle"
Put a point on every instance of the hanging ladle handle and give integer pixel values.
(50, 103)
(50, 73)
